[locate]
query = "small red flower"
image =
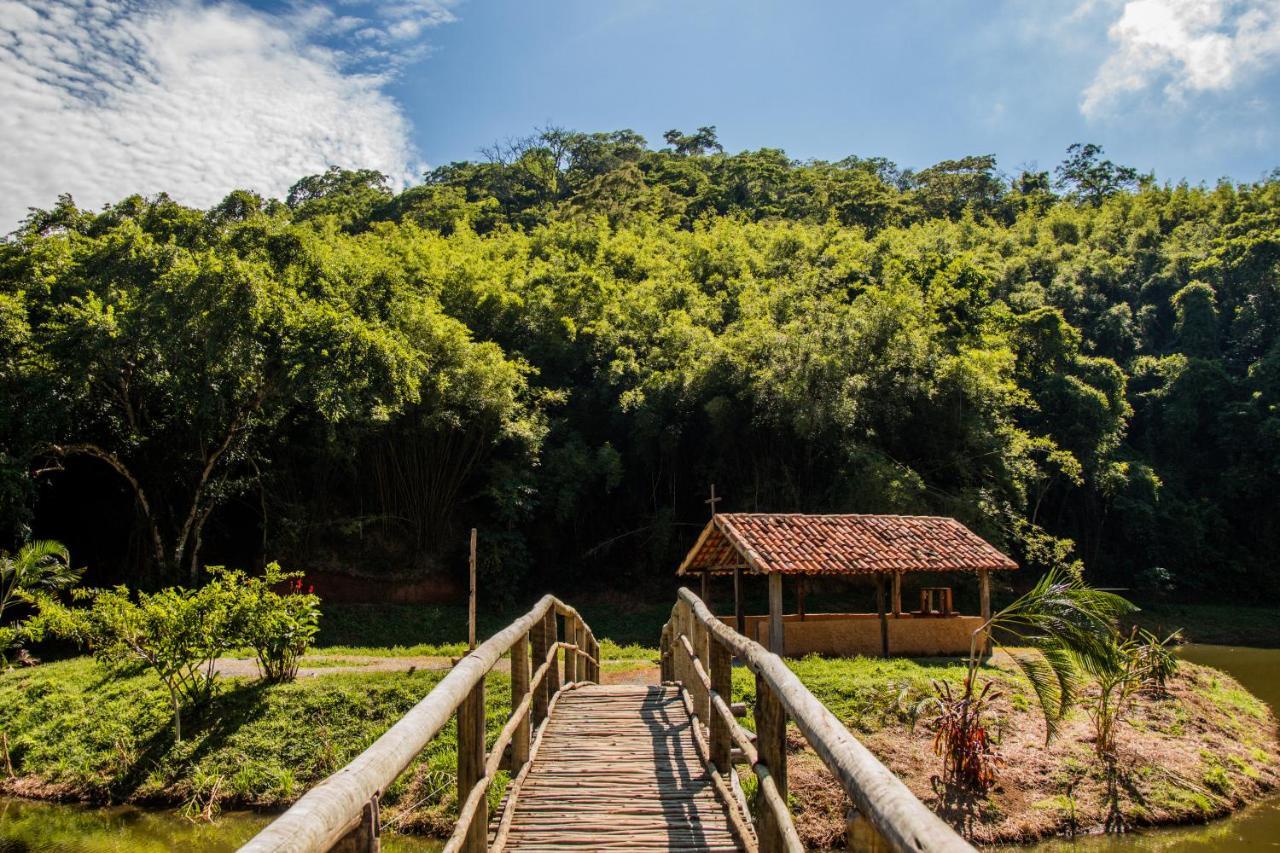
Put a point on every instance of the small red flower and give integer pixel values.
(311, 589)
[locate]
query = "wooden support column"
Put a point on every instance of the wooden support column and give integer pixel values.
(771, 743)
(471, 764)
(553, 636)
(667, 652)
(984, 593)
(520, 689)
(538, 648)
(801, 587)
(705, 588)
(884, 620)
(700, 639)
(739, 617)
(584, 653)
(777, 639)
(720, 669)
(366, 837)
(897, 594)
(570, 656)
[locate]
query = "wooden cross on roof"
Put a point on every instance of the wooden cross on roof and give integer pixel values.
(713, 500)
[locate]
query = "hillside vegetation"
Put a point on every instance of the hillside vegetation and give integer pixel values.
(566, 343)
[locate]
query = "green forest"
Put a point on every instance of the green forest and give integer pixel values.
(564, 342)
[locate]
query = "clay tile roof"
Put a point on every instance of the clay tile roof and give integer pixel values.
(792, 543)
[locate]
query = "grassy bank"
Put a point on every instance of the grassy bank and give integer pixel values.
(1204, 749)
(74, 733)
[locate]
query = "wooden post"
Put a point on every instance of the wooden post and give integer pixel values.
(584, 653)
(366, 836)
(801, 584)
(705, 576)
(771, 743)
(884, 621)
(553, 671)
(519, 689)
(679, 660)
(699, 640)
(897, 594)
(777, 640)
(471, 599)
(739, 616)
(720, 668)
(984, 593)
(570, 657)
(667, 671)
(471, 764)
(538, 648)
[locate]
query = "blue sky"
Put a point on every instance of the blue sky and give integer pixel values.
(196, 97)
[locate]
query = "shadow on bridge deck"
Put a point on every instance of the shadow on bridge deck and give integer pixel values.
(617, 768)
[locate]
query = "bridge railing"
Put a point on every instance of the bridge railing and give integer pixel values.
(697, 652)
(341, 813)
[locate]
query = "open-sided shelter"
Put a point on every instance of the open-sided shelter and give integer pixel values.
(883, 547)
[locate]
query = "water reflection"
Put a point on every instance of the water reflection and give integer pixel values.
(31, 827)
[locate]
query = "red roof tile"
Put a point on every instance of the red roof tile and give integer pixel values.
(792, 543)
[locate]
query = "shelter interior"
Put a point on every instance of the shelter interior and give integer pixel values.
(802, 550)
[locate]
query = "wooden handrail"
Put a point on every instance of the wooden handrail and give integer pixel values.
(897, 815)
(343, 809)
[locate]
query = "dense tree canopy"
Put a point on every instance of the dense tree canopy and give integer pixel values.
(566, 342)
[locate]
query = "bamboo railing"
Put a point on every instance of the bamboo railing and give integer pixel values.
(341, 813)
(697, 651)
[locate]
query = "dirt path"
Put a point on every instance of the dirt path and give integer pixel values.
(636, 671)
(248, 667)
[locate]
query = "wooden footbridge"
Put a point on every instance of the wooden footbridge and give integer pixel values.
(600, 767)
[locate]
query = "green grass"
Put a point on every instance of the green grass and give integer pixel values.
(110, 738)
(866, 694)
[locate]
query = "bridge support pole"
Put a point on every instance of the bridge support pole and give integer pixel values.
(584, 653)
(571, 655)
(721, 671)
(538, 648)
(553, 672)
(519, 690)
(771, 743)
(666, 666)
(366, 837)
(471, 766)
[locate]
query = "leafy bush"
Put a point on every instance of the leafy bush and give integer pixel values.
(279, 628)
(179, 633)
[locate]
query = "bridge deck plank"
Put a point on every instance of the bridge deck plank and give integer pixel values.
(617, 768)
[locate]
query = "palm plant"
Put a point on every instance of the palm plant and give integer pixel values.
(1062, 626)
(42, 566)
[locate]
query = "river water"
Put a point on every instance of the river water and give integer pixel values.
(32, 827)
(29, 827)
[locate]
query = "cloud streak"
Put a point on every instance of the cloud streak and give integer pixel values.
(103, 99)
(1185, 46)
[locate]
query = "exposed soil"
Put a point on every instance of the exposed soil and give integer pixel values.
(248, 667)
(1183, 758)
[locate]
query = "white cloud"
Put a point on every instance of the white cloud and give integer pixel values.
(1189, 46)
(103, 99)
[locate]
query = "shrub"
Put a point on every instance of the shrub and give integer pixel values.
(279, 628)
(179, 633)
